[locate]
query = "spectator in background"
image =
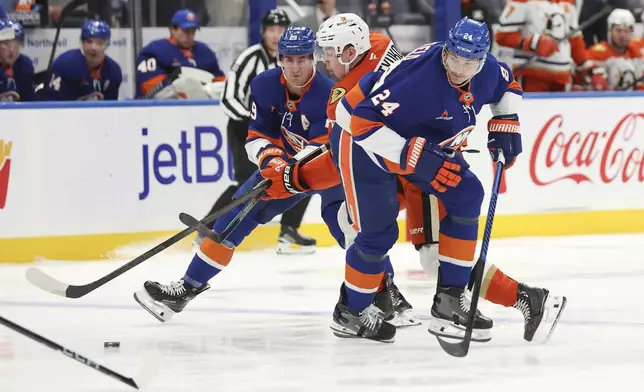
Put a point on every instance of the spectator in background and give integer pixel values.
(488, 11)
(166, 9)
(17, 69)
(179, 67)
(95, 9)
(323, 11)
(88, 73)
(236, 105)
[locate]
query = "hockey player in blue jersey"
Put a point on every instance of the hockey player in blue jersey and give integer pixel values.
(87, 73)
(178, 66)
(17, 68)
(288, 119)
(412, 121)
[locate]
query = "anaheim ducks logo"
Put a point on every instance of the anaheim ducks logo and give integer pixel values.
(336, 94)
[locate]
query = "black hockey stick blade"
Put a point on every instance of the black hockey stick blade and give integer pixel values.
(145, 374)
(47, 283)
(462, 347)
(202, 229)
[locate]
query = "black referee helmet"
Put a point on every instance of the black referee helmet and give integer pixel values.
(276, 17)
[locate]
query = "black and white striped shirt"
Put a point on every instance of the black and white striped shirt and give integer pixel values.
(236, 97)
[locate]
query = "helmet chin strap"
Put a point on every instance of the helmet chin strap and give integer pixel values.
(347, 65)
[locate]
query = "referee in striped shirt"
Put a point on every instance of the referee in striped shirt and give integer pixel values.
(235, 103)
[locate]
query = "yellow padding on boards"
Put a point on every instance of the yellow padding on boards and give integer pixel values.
(102, 246)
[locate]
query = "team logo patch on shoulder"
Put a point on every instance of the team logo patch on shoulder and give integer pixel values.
(336, 94)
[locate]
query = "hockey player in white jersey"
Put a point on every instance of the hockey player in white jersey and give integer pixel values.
(620, 55)
(540, 32)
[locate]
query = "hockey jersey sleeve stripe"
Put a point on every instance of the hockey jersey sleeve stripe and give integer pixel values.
(354, 97)
(362, 128)
(256, 141)
(253, 134)
(219, 79)
(387, 144)
(152, 83)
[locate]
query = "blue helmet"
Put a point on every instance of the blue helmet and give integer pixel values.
(96, 29)
(18, 30)
(297, 40)
(469, 38)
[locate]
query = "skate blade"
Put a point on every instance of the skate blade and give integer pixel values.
(406, 318)
(160, 311)
(344, 333)
(294, 249)
(447, 329)
(553, 308)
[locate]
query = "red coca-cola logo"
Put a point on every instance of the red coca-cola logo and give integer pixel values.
(588, 155)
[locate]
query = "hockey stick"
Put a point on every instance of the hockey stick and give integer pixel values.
(137, 382)
(66, 11)
(461, 348)
(47, 283)
(587, 23)
(202, 229)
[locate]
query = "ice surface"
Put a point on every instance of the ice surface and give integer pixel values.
(264, 326)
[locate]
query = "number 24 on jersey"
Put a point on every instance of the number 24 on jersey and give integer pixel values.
(387, 107)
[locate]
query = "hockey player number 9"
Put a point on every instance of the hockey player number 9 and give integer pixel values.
(387, 107)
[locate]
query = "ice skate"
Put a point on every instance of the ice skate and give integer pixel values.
(291, 241)
(368, 324)
(450, 314)
(541, 312)
(403, 313)
(164, 300)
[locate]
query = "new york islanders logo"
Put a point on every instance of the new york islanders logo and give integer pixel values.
(5, 168)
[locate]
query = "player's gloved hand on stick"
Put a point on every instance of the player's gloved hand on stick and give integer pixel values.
(442, 168)
(275, 165)
(503, 135)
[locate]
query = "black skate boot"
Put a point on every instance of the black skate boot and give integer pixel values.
(382, 300)
(164, 300)
(291, 242)
(450, 313)
(403, 315)
(368, 324)
(541, 312)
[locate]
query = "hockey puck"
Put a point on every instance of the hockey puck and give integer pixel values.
(112, 344)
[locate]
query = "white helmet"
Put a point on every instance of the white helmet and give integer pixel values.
(620, 17)
(344, 29)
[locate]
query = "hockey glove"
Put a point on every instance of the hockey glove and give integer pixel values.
(541, 45)
(442, 168)
(275, 165)
(504, 136)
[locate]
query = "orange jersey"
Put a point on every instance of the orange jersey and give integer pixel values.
(382, 54)
(604, 51)
(622, 68)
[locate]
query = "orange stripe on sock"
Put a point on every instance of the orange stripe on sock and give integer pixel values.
(456, 248)
(216, 252)
(499, 288)
(362, 281)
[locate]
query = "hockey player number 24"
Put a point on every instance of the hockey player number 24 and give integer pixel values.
(387, 107)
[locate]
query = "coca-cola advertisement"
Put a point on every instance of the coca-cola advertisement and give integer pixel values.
(579, 154)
